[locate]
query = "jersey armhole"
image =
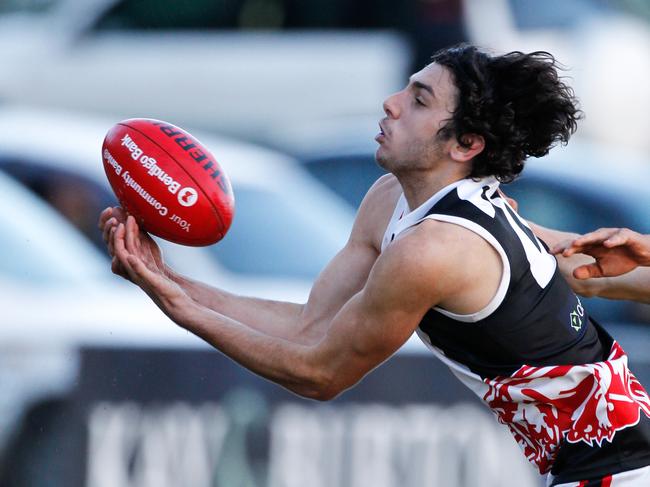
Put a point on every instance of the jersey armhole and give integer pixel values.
(502, 289)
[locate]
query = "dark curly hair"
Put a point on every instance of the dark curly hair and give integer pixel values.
(516, 102)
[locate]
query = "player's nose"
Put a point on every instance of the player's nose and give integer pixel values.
(391, 106)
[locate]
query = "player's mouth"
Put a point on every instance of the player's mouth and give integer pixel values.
(382, 135)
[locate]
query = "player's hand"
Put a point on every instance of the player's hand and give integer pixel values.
(133, 253)
(616, 250)
(109, 220)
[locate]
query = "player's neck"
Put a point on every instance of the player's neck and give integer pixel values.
(419, 186)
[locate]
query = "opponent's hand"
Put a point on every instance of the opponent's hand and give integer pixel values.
(134, 254)
(616, 250)
(511, 201)
(109, 219)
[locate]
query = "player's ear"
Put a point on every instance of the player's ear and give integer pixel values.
(467, 146)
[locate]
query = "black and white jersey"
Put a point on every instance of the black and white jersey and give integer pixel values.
(533, 354)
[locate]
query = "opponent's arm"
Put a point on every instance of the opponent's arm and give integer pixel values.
(634, 285)
(616, 250)
(403, 284)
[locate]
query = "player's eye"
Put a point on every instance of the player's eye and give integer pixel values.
(419, 101)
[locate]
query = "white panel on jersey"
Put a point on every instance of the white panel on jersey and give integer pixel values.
(542, 264)
(472, 191)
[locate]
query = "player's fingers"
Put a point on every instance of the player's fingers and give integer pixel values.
(146, 238)
(104, 216)
(131, 234)
(119, 213)
(119, 246)
(118, 269)
(121, 252)
(142, 272)
(108, 227)
(111, 237)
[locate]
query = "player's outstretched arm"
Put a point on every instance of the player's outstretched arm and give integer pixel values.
(238, 306)
(578, 267)
(403, 284)
(344, 276)
(341, 279)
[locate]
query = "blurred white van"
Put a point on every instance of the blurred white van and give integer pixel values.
(80, 55)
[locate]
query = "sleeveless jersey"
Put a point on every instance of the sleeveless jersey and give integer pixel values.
(534, 355)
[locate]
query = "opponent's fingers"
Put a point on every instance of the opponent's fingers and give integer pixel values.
(622, 237)
(562, 247)
(597, 251)
(511, 201)
(571, 249)
(588, 271)
(596, 237)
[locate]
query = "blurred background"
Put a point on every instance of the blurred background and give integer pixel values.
(99, 389)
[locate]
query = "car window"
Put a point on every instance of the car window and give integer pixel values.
(272, 236)
(260, 14)
(569, 208)
(21, 259)
(533, 14)
(77, 198)
(26, 6)
(38, 246)
(349, 176)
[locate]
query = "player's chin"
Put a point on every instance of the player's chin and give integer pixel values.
(383, 158)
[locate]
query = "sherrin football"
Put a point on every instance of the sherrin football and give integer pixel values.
(168, 181)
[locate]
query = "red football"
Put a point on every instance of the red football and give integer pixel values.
(168, 181)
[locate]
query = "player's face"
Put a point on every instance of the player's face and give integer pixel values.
(408, 138)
